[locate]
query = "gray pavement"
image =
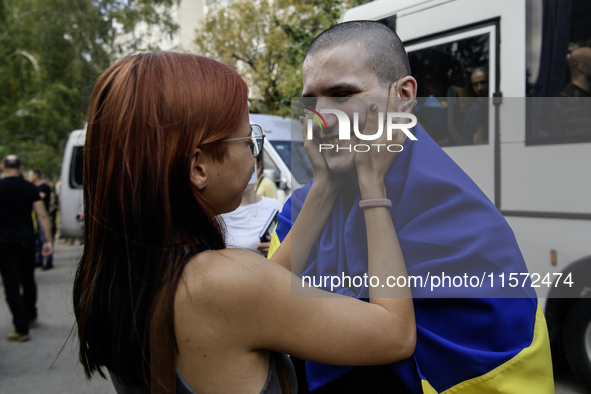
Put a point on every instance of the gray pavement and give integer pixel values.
(48, 363)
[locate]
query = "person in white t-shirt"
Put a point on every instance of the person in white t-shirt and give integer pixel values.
(245, 225)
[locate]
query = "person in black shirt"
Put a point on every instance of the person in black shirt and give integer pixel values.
(475, 129)
(579, 64)
(36, 178)
(18, 198)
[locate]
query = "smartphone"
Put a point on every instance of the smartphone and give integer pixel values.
(269, 227)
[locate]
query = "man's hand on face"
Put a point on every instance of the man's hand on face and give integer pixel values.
(316, 158)
(375, 164)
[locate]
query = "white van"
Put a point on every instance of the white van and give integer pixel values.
(285, 163)
(71, 186)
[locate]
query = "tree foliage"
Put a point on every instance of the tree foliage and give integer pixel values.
(51, 54)
(266, 41)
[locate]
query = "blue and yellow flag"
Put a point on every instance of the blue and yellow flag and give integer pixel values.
(490, 340)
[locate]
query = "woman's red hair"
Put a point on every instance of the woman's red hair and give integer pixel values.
(143, 217)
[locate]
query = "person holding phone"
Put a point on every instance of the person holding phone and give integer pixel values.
(251, 225)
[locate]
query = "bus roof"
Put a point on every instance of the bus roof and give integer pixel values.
(379, 9)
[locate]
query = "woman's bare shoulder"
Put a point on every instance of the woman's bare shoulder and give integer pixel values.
(230, 274)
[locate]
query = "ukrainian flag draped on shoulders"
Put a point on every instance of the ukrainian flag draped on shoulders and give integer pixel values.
(446, 226)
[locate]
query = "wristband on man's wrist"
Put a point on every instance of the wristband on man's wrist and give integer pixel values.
(375, 202)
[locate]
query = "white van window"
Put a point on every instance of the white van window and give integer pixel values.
(75, 178)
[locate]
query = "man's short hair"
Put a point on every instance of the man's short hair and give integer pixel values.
(578, 56)
(37, 172)
(385, 53)
(482, 69)
(11, 162)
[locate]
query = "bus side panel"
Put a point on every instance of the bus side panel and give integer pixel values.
(541, 178)
(538, 237)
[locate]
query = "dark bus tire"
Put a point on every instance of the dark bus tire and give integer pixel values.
(577, 340)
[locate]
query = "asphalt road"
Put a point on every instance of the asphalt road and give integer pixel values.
(48, 363)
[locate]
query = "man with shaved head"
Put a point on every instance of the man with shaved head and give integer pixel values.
(355, 60)
(370, 45)
(18, 199)
(573, 109)
(444, 223)
(579, 64)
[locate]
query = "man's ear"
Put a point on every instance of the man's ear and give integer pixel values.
(406, 87)
(199, 169)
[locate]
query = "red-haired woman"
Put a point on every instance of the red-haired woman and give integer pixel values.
(158, 299)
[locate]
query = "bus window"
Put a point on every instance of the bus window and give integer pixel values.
(454, 76)
(559, 107)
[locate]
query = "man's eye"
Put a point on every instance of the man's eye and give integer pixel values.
(342, 96)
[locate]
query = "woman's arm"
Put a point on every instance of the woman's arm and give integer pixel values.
(384, 254)
(314, 213)
(257, 306)
(307, 227)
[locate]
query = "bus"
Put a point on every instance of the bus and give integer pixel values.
(526, 155)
